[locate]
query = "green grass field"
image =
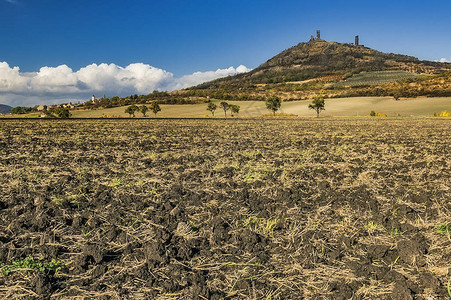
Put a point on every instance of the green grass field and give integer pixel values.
(420, 107)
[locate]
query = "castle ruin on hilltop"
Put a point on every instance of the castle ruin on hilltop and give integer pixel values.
(318, 37)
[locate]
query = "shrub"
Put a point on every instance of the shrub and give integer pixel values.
(29, 263)
(443, 114)
(444, 228)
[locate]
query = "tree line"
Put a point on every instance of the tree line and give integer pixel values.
(272, 103)
(132, 109)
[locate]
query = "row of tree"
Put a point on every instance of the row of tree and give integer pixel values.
(273, 103)
(132, 109)
(234, 109)
(54, 112)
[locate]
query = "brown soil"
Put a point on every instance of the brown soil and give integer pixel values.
(226, 209)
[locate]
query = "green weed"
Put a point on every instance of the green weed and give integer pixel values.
(59, 201)
(252, 154)
(372, 227)
(29, 263)
(394, 232)
(444, 228)
(260, 225)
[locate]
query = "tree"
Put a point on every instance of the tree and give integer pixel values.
(225, 107)
(273, 103)
(154, 107)
(235, 109)
(131, 110)
(62, 113)
(19, 110)
(143, 110)
(212, 107)
(317, 105)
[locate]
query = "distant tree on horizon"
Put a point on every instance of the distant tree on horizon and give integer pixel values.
(317, 105)
(234, 109)
(131, 110)
(62, 113)
(155, 107)
(143, 109)
(273, 103)
(212, 107)
(225, 107)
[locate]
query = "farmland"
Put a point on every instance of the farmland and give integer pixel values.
(375, 78)
(357, 106)
(225, 209)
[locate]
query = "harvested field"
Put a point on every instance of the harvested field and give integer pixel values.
(225, 209)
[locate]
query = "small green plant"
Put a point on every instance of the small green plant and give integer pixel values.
(372, 227)
(59, 201)
(372, 113)
(444, 228)
(29, 264)
(394, 232)
(260, 225)
(269, 225)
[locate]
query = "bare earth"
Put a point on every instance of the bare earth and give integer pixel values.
(225, 209)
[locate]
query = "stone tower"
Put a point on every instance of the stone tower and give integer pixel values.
(318, 34)
(356, 40)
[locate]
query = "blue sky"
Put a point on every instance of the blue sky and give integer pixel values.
(182, 37)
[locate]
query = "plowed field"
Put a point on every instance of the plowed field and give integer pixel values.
(225, 209)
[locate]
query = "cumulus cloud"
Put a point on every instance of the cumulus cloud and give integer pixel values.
(199, 77)
(60, 84)
(443, 60)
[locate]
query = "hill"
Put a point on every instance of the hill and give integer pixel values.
(317, 67)
(331, 68)
(318, 58)
(5, 109)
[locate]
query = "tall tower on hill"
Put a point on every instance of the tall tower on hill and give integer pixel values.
(318, 34)
(356, 40)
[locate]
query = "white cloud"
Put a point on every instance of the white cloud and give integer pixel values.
(199, 77)
(444, 60)
(60, 84)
